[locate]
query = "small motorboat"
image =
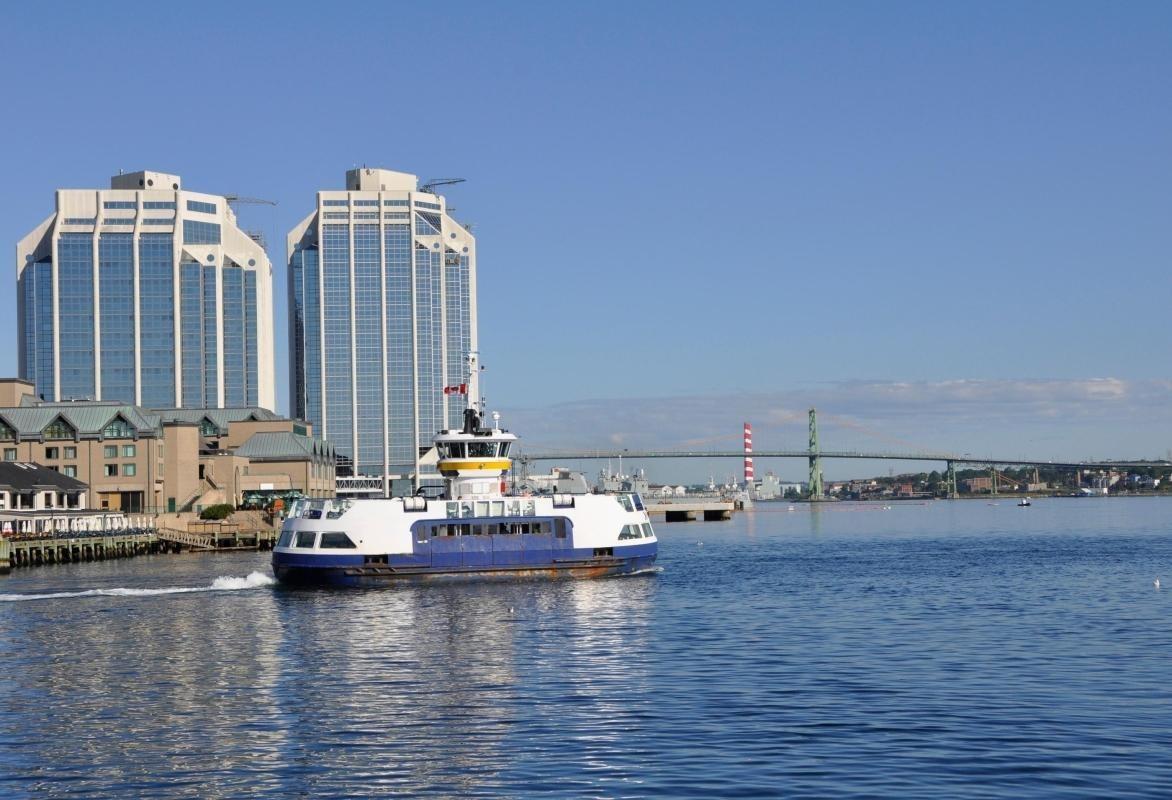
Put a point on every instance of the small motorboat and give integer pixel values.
(1025, 501)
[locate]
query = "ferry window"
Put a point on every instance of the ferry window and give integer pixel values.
(638, 502)
(627, 533)
(337, 541)
(456, 449)
(625, 501)
(647, 531)
(481, 449)
(505, 448)
(286, 537)
(559, 528)
(305, 538)
(313, 513)
(465, 529)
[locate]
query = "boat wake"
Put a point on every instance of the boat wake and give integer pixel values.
(646, 571)
(254, 580)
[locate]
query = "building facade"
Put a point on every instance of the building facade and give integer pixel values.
(382, 316)
(138, 460)
(145, 294)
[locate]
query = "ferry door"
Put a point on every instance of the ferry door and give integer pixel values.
(421, 546)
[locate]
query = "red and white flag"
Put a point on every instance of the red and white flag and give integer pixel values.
(459, 388)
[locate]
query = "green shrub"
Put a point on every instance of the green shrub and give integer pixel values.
(221, 511)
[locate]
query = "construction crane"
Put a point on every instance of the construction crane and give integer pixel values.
(430, 186)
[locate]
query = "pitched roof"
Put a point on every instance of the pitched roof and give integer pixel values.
(220, 417)
(23, 477)
(88, 419)
(284, 446)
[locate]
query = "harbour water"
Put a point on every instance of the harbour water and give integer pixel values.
(947, 649)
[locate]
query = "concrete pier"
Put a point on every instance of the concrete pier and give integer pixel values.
(684, 511)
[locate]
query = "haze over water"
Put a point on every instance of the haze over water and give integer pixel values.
(954, 649)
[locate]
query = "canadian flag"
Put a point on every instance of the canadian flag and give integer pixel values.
(459, 388)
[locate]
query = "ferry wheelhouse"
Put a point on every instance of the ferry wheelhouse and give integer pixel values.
(475, 530)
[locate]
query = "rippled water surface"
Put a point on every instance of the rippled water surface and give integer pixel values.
(941, 650)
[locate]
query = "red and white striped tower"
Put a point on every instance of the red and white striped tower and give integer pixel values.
(748, 455)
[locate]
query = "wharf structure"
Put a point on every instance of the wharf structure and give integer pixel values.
(382, 316)
(145, 294)
(139, 460)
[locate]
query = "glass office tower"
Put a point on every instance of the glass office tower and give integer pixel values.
(382, 316)
(145, 294)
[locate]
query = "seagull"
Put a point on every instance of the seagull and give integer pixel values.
(1156, 583)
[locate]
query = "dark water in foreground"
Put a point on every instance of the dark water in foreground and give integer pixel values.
(944, 650)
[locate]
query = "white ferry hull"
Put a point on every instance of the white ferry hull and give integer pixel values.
(359, 574)
(377, 542)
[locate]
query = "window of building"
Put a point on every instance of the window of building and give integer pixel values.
(80, 220)
(110, 451)
(129, 470)
(58, 429)
(394, 202)
(69, 470)
(335, 202)
(117, 428)
(118, 204)
(111, 470)
(203, 208)
(195, 232)
(118, 221)
(71, 452)
(158, 221)
(208, 428)
(159, 204)
(9, 453)
(52, 453)
(6, 432)
(129, 451)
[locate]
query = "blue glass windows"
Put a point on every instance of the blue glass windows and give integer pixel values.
(116, 285)
(156, 298)
(201, 207)
(75, 310)
(195, 232)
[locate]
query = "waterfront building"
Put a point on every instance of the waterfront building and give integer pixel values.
(140, 460)
(32, 487)
(145, 294)
(382, 317)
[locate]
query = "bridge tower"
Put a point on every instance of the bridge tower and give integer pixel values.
(815, 460)
(950, 481)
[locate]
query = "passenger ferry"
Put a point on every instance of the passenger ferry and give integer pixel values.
(475, 530)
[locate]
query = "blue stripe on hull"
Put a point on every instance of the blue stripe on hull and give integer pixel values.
(368, 575)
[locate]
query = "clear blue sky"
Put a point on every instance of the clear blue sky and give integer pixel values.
(732, 209)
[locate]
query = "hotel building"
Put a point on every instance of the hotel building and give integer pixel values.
(382, 314)
(145, 294)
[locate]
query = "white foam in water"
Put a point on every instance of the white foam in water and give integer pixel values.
(254, 580)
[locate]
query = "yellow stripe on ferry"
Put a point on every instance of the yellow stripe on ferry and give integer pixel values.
(473, 463)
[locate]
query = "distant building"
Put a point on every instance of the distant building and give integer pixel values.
(382, 317)
(145, 294)
(979, 484)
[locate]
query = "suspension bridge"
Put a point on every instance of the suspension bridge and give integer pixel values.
(814, 455)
